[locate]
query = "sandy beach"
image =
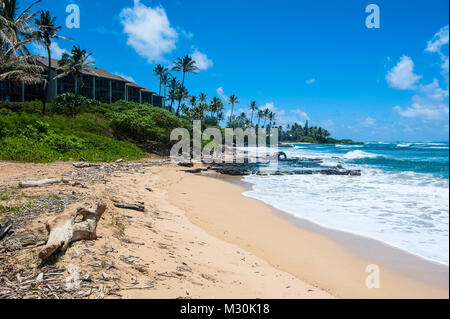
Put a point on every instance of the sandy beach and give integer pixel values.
(201, 238)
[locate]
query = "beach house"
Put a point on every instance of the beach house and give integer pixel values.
(97, 84)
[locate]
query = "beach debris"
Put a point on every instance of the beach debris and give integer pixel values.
(120, 160)
(149, 189)
(69, 227)
(40, 183)
(84, 165)
(139, 206)
(4, 230)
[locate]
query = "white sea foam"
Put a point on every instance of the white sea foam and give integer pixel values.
(404, 209)
(359, 154)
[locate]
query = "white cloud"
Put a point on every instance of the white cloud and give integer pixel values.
(187, 35)
(221, 94)
(311, 81)
(429, 103)
(149, 31)
(440, 39)
(435, 45)
(302, 114)
(126, 77)
(56, 51)
(402, 75)
(201, 60)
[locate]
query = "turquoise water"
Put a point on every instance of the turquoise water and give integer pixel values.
(401, 197)
(420, 157)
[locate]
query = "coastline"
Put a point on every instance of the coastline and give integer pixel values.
(334, 261)
(200, 237)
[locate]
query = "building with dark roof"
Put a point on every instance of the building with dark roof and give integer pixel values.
(97, 84)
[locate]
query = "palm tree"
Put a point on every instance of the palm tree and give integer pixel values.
(15, 25)
(165, 78)
(216, 106)
(193, 101)
(266, 116)
(46, 31)
(185, 65)
(159, 70)
(233, 99)
(181, 94)
(18, 69)
(74, 64)
(253, 108)
(173, 88)
(271, 118)
(260, 116)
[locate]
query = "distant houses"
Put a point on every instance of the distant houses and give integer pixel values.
(98, 84)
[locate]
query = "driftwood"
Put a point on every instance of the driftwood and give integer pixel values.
(41, 183)
(138, 206)
(69, 227)
(5, 229)
(84, 165)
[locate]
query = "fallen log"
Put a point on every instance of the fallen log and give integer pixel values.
(41, 183)
(69, 227)
(138, 206)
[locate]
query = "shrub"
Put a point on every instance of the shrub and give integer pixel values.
(147, 124)
(72, 104)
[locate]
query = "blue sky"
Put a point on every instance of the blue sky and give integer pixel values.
(313, 60)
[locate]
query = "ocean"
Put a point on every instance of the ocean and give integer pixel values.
(401, 199)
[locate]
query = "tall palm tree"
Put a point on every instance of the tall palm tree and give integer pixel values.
(181, 94)
(253, 108)
(260, 116)
(266, 116)
(216, 106)
(159, 71)
(74, 64)
(271, 118)
(173, 88)
(165, 78)
(233, 99)
(16, 25)
(185, 65)
(46, 31)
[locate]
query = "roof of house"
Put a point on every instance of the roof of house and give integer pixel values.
(94, 71)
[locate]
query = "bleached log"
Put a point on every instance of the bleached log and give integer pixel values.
(41, 183)
(71, 226)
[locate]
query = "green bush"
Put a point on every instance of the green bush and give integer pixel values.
(72, 104)
(30, 106)
(147, 124)
(34, 138)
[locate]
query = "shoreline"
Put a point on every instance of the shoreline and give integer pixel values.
(395, 258)
(408, 276)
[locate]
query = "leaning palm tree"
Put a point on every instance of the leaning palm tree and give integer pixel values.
(185, 65)
(159, 71)
(233, 99)
(253, 108)
(74, 64)
(46, 31)
(15, 25)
